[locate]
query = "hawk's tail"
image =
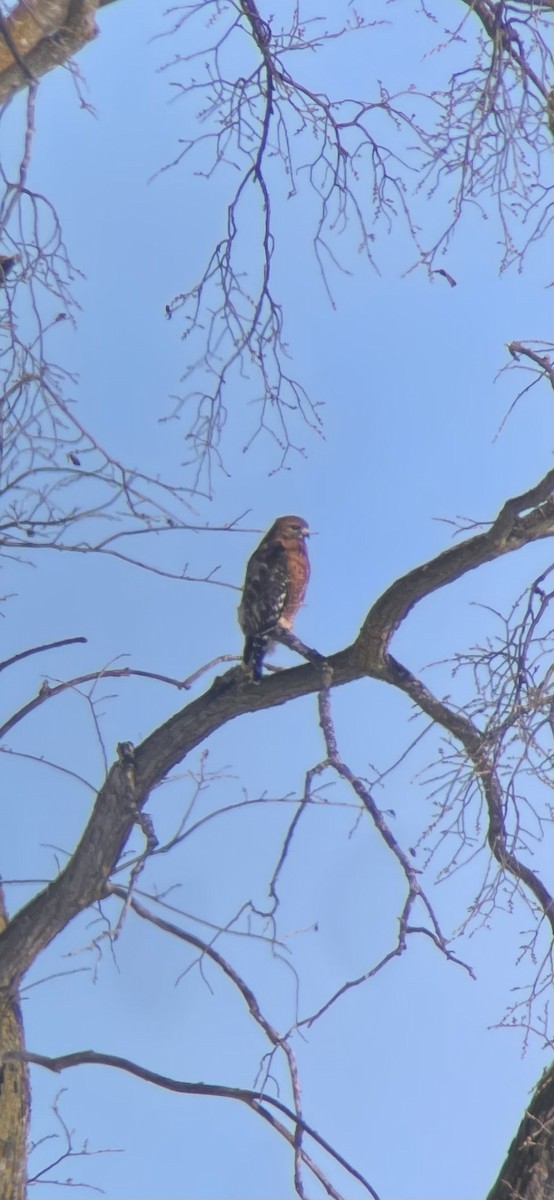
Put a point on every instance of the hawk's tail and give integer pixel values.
(254, 651)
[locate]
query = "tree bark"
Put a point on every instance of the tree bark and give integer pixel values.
(528, 1173)
(39, 35)
(15, 1094)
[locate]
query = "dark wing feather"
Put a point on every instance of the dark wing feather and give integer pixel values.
(263, 600)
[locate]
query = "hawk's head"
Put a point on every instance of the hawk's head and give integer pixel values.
(290, 527)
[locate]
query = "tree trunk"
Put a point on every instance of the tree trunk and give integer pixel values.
(528, 1173)
(15, 1094)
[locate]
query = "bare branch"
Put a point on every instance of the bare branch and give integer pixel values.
(375, 162)
(522, 519)
(8, 662)
(259, 1102)
(483, 758)
(83, 879)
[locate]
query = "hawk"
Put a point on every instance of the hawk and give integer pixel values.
(274, 588)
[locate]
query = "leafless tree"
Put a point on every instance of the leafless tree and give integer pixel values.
(479, 141)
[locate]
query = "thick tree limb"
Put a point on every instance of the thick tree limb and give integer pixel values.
(39, 35)
(510, 531)
(14, 1093)
(528, 1173)
(132, 778)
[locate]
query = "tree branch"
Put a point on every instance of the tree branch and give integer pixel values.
(482, 755)
(84, 878)
(14, 1092)
(8, 662)
(529, 1168)
(39, 35)
(253, 1100)
(509, 532)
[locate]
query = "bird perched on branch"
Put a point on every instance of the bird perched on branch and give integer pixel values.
(274, 588)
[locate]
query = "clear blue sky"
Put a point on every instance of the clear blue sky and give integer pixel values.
(405, 1076)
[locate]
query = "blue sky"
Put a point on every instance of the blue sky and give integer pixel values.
(407, 1075)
